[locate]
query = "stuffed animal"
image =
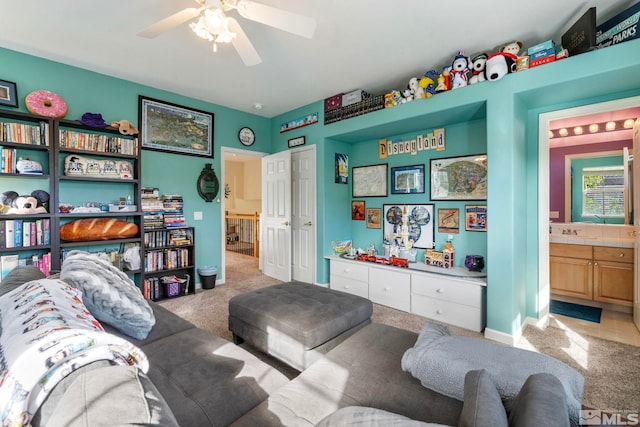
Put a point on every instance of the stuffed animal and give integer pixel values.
(125, 127)
(34, 203)
(28, 166)
(444, 80)
(499, 65)
(417, 91)
(407, 96)
(459, 68)
(513, 47)
(428, 83)
(478, 63)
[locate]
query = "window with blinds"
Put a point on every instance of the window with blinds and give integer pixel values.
(603, 191)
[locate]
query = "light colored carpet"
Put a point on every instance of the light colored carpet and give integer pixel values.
(611, 369)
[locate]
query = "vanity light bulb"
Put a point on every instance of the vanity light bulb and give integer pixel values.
(550, 134)
(593, 128)
(628, 124)
(610, 126)
(563, 132)
(578, 130)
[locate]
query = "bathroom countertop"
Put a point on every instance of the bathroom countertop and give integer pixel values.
(589, 240)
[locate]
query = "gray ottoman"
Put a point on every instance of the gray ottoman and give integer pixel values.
(295, 322)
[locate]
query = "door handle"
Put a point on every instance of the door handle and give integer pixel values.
(308, 223)
(286, 223)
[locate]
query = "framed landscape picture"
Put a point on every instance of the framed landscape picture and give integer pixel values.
(175, 129)
(407, 179)
(459, 178)
(369, 181)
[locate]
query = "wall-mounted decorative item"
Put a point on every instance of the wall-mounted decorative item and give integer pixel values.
(342, 168)
(246, 136)
(369, 181)
(459, 178)
(299, 122)
(475, 218)
(208, 184)
(8, 94)
(420, 222)
(357, 210)
(448, 220)
(175, 129)
(407, 179)
(295, 142)
(374, 216)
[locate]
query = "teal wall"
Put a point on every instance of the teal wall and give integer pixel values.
(117, 99)
(500, 118)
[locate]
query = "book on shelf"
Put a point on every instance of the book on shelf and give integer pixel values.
(98, 142)
(9, 236)
(7, 263)
(8, 160)
(17, 233)
(21, 133)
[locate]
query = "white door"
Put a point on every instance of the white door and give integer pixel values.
(303, 165)
(635, 188)
(276, 216)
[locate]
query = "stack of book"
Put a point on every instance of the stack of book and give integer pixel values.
(8, 159)
(153, 208)
(9, 262)
(173, 214)
(19, 233)
(23, 133)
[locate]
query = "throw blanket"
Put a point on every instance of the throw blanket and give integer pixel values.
(47, 333)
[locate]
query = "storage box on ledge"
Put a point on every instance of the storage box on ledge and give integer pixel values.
(621, 28)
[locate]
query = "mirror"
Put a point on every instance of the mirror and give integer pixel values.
(589, 167)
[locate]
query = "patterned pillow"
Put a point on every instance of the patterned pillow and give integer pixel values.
(18, 277)
(108, 293)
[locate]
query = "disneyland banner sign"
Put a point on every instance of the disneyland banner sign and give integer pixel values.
(430, 141)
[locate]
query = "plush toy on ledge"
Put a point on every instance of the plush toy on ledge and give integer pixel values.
(428, 83)
(499, 65)
(36, 202)
(478, 64)
(459, 68)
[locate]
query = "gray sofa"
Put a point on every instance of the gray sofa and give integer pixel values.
(198, 379)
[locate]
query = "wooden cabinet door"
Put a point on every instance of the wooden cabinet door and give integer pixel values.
(571, 277)
(613, 282)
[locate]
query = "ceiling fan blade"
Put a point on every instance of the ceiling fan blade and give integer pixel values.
(281, 19)
(242, 45)
(170, 22)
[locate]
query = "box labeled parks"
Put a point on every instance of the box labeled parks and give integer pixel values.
(621, 28)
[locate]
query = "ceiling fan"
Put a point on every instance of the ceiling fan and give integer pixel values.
(213, 25)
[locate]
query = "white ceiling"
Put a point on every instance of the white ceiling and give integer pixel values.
(358, 44)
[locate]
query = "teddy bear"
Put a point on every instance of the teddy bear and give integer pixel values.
(499, 65)
(459, 68)
(478, 63)
(513, 47)
(34, 203)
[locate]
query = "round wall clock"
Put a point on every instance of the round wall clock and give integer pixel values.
(247, 136)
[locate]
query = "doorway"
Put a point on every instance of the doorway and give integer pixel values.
(567, 120)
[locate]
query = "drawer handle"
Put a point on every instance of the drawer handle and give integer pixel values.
(347, 287)
(439, 290)
(387, 289)
(347, 270)
(621, 255)
(438, 311)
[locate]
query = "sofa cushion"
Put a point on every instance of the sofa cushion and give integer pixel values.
(112, 395)
(370, 417)
(482, 404)
(19, 276)
(540, 402)
(451, 357)
(108, 293)
(208, 380)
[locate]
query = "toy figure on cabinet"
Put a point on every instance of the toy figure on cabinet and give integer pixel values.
(459, 69)
(444, 80)
(36, 202)
(478, 64)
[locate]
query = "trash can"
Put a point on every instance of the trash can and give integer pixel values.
(208, 276)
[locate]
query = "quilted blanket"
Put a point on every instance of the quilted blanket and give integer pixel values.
(47, 333)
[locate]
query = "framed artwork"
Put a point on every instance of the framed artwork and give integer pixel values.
(373, 217)
(369, 181)
(307, 120)
(407, 179)
(475, 218)
(175, 129)
(357, 210)
(8, 94)
(295, 142)
(342, 168)
(449, 220)
(416, 220)
(459, 178)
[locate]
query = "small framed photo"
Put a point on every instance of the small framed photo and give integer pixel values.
(475, 217)
(449, 220)
(369, 181)
(407, 179)
(8, 94)
(295, 142)
(342, 168)
(373, 218)
(357, 210)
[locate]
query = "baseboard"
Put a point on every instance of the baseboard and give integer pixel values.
(508, 339)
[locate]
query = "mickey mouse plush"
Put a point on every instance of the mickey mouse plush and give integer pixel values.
(34, 203)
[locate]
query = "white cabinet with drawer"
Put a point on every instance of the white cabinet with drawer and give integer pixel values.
(390, 287)
(348, 276)
(451, 300)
